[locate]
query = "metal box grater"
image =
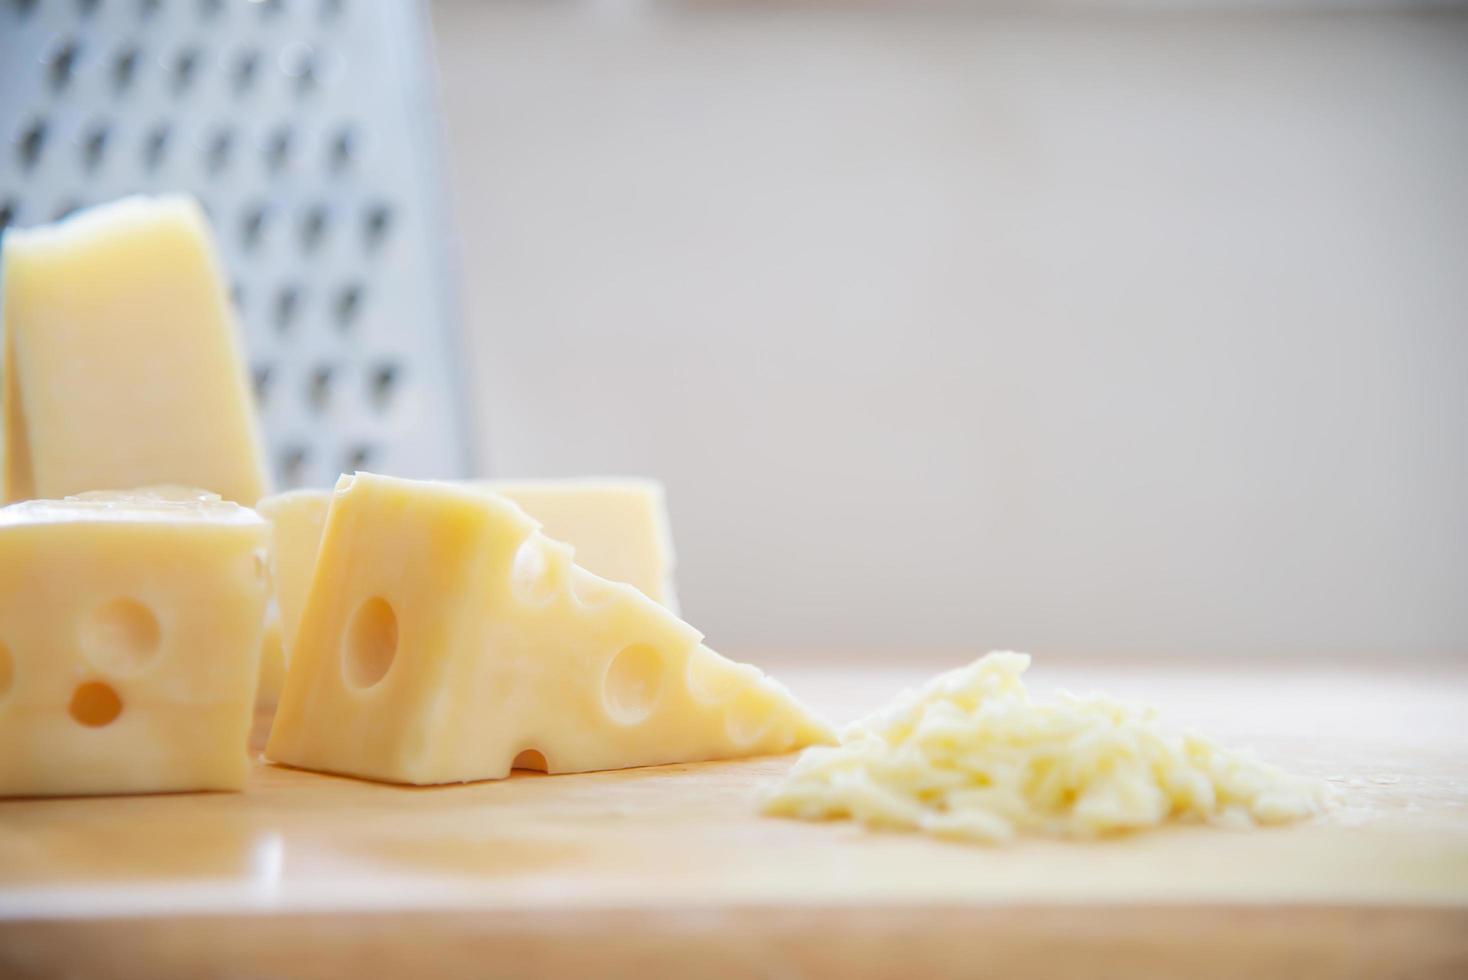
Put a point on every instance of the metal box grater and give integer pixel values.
(307, 129)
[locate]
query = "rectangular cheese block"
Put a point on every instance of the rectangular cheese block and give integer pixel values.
(618, 528)
(130, 630)
(122, 361)
(272, 659)
(445, 639)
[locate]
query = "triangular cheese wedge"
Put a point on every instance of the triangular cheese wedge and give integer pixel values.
(446, 639)
(618, 526)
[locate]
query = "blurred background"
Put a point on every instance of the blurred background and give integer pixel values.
(1087, 328)
(1092, 328)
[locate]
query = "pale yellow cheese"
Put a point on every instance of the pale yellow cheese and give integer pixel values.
(272, 660)
(122, 364)
(446, 639)
(971, 756)
(129, 642)
(618, 528)
(297, 519)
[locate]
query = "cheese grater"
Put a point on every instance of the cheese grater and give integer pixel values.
(307, 130)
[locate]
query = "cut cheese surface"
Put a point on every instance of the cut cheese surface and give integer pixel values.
(971, 756)
(445, 638)
(297, 519)
(272, 660)
(129, 642)
(618, 528)
(122, 365)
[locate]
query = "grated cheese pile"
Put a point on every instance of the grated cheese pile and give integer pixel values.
(970, 756)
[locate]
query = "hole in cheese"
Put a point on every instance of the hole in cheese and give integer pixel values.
(121, 635)
(749, 717)
(7, 670)
(531, 759)
(588, 589)
(711, 679)
(532, 578)
(633, 681)
(95, 704)
(371, 643)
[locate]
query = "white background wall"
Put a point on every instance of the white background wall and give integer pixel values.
(950, 328)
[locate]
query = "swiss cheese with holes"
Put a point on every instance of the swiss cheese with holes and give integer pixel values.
(617, 526)
(447, 639)
(122, 365)
(129, 642)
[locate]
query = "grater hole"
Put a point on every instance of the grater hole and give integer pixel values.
(24, 7)
(262, 380)
(147, 9)
(319, 389)
(219, 151)
(155, 146)
(376, 223)
(300, 64)
(270, 8)
(210, 9)
(382, 385)
(88, 7)
(293, 465)
(61, 66)
(246, 70)
(359, 457)
(31, 144)
(94, 146)
(252, 226)
(185, 69)
(125, 68)
(287, 306)
(278, 149)
(313, 226)
(66, 208)
(332, 9)
(342, 150)
(347, 305)
(9, 211)
(237, 296)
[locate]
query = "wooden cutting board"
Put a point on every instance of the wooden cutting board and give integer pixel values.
(671, 872)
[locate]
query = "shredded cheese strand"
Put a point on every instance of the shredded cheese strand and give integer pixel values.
(970, 756)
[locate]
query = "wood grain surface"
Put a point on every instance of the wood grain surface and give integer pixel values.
(671, 872)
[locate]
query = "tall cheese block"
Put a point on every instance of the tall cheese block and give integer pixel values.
(272, 660)
(297, 519)
(446, 639)
(122, 363)
(129, 642)
(617, 526)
